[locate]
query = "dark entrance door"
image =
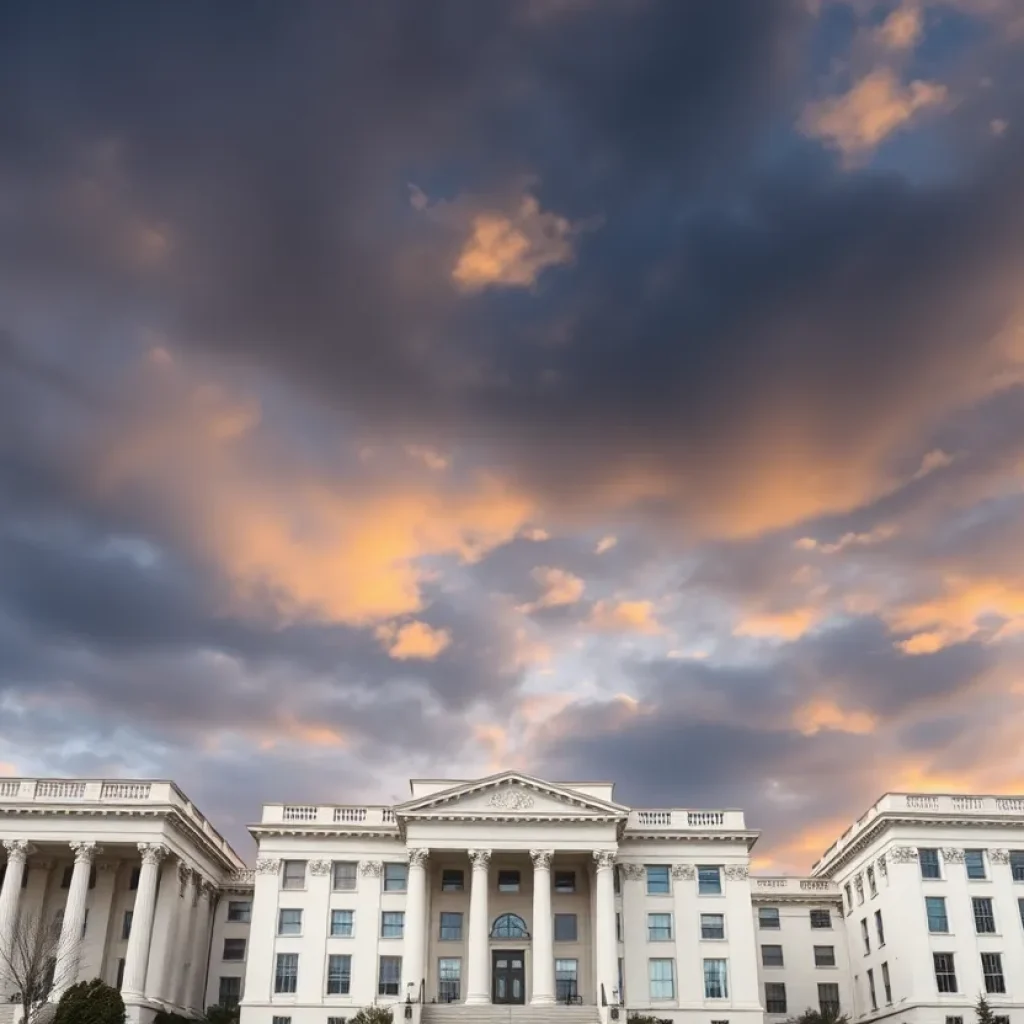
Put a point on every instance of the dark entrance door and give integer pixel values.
(508, 976)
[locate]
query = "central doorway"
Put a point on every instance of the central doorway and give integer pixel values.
(508, 976)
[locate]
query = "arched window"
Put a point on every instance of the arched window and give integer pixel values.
(509, 926)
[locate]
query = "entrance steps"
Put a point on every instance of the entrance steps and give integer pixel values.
(459, 1013)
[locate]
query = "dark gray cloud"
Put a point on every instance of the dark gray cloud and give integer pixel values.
(751, 340)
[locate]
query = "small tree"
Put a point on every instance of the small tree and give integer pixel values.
(30, 962)
(90, 1002)
(222, 1015)
(374, 1015)
(984, 1012)
(812, 1016)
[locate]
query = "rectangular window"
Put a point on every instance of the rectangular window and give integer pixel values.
(565, 927)
(396, 877)
(618, 926)
(945, 972)
(508, 881)
(565, 881)
(859, 887)
(767, 917)
(984, 919)
(954, 1020)
(453, 880)
(392, 924)
(848, 890)
(286, 973)
(343, 924)
(712, 926)
(1020, 910)
(120, 974)
(886, 984)
(657, 879)
(709, 880)
(566, 981)
(936, 908)
(871, 989)
(929, 861)
(821, 919)
(865, 937)
(771, 956)
(872, 883)
(294, 875)
(662, 979)
(389, 976)
(824, 956)
(343, 875)
(659, 927)
(975, 863)
(234, 949)
(451, 926)
(775, 997)
(339, 974)
(289, 922)
(280, 1020)
(229, 992)
(992, 969)
(449, 979)
(240, 911)
(828, 997)
(879, 929)
(1017, 865)
(716, 982)
(126, 924)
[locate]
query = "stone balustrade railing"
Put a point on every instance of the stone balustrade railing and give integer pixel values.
(676, 818)
(328, 814)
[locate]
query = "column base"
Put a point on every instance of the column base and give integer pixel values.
(478, 1000)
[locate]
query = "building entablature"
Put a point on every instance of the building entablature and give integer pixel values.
(920, 810)
(785, 889)
(113, 812)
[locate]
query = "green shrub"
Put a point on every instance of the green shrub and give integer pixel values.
(374, 1015)
(221, 1015)
(90, 1002)
(166, 1017)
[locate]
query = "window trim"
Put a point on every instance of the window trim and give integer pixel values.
(401, 925)
(667, 891)
(441, 937)
(351, 934)
(284, 875)
(334, 876)
(817, 962)
(234, 959)
(717, 868)
(781, 955)
(278, 976)
(289, 910)
(575, 926)
(327, 979)
(712, 938)
(724, 978)
(651, 928)
(761, 926)
(768, 1000)
(384, 880)
(380, 975)
(651, 980)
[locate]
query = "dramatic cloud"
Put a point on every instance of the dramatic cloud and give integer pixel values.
(605, 389)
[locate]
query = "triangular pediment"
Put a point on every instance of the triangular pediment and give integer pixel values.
(511, 793)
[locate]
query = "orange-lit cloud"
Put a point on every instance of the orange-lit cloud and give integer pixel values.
(789, 625)
(512, 249)
(559, 588)
(413, 640)
(286, 533)
(821, 714)
(624, 617)
(902, 29)
(874, 108)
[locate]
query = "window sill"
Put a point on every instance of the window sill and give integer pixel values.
(349, 936)
(289, 935)
(293, 888)
(391, 938)
(711, 938)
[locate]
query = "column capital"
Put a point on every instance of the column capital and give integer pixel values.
(18, 849)
(480, 859)
(152, 853)
(541, 858)
(604, 859)
(85, 852)
(184, 874)
(418, 857)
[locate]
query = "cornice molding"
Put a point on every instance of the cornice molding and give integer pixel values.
(888, 819)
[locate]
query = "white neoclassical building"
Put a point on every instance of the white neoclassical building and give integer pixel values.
(510, 897)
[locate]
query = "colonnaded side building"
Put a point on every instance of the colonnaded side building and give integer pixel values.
(511, 898)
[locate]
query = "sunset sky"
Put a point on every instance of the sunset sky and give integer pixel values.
(608, 389)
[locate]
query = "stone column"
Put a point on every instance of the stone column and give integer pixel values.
(478, 975)
(136, 960)
(205, 911)
(414, 953)
(177, 954)
(18, 851)
(182, 993)
(605, 944)
(69, 946)
(543, 930)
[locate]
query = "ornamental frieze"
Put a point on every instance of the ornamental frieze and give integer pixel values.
(319, 867)
(635, 872)
(953, 855)
(511, 799)
(737, 872)
(371, 868)
(999, 856)
(903, 855)
(687, 871)
(268, 866)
